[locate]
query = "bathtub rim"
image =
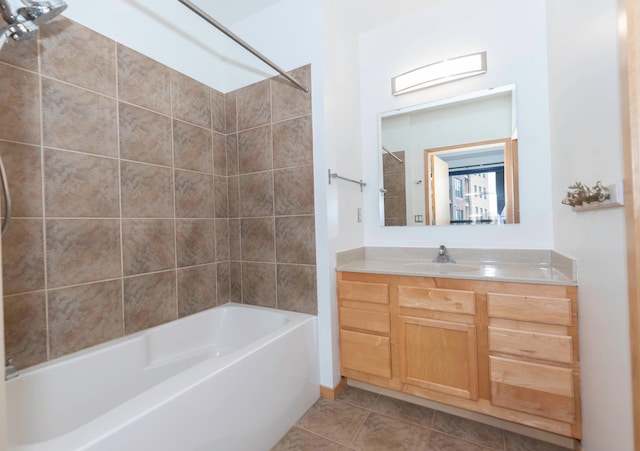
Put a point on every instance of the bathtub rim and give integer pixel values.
(101, 347)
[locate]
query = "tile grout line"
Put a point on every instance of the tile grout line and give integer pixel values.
(122, 303)
(44, 197)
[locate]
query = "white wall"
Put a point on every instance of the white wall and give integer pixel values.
(513, 34)
(168, 32)
(586, 146)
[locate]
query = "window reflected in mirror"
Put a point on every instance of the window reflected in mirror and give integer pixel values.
(469, 184)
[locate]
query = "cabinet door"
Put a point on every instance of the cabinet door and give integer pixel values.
(439, 355)
(365, 353)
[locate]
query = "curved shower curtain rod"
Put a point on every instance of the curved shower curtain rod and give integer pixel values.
(239, 40)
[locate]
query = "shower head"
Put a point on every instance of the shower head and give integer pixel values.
(23, 23)
(42, 11)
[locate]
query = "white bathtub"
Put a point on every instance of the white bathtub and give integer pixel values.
(231, 378)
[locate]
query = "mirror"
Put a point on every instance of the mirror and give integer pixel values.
(451, 162)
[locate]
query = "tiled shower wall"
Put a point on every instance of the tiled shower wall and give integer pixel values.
(141, 195)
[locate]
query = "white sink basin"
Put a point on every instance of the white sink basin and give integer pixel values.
(442, 268)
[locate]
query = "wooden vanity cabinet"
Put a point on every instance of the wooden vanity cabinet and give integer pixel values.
(509, 350)
(365, 328)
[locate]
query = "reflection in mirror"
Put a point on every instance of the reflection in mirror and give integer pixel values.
(451, 162)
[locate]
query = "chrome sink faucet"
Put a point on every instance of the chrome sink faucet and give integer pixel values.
(10, 371)
(443, 256)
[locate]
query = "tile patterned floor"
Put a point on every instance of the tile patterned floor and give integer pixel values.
(361, 420)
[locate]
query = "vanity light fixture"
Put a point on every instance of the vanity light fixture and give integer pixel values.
(441, 72)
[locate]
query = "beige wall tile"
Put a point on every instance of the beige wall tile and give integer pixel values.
(221, 196)
(222, 239)
(255, 152)
(23, 166)
(19, 96)
(256, 194)
(293, 191)
(196, 289)
(83, 316)
(23, 54)
(23, 256)
(82, 250)
(190, 100)
(73, 53)
(149, 300)
(295, 240)
(289, 100)
(231, 146)
(258, 239)
(230, 112)
(80, 185)
(143, 81)
(92, 117)
(148, 245)
(235, 282)
(194, 194)
(146, 191)
(25, 329)
(192, 147)
(145, 135)
(297, 288)
(235, 251)
(254, 105)
(195, 242)
(259, 284)
(223, 284)
(218, 122)
(219, 154)
(233, 191)
(293, 143)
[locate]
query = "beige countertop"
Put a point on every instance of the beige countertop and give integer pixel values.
(504, 265)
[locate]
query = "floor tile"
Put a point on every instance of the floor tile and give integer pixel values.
(471, 431)
(333, 419)
(300, 440)
(517, 442)
(381, 433)
(358, 397)
(443, 442)
(405, 411)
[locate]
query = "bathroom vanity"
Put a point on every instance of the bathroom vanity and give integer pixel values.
(494, 333)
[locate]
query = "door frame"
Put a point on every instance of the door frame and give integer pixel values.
(630, 96)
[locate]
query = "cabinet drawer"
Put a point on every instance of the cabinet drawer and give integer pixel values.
(378, 293)
(367, 353)
(439, 299)
(535, 309)
(556, 348)
(533, 388)
(364, 319)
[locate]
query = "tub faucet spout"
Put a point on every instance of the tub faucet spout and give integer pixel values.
(10, 371)
(443, 256)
